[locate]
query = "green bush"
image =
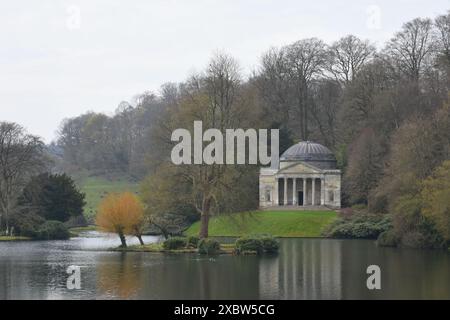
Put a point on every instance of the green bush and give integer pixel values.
(387, 239)
(270, 244)
(359, 227)
(192, 242)
(52, 230)
(208, 246)
(249, 244)
(257, 243)
(174, 243)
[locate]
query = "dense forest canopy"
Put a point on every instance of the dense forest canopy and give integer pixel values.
(384, 112)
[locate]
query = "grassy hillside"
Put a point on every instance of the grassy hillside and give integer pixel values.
(96, 188)
(277, 223)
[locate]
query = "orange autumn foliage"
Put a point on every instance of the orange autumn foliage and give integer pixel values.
(120, 213)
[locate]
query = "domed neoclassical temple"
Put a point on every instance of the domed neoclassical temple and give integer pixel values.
(307, 175)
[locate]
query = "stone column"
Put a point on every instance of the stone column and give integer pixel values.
(285, 191)
(313, 186)
(304, 191)
(322, 191)
(276, 194)
(294, 191)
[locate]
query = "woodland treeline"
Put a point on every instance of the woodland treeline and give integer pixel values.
(383, 111)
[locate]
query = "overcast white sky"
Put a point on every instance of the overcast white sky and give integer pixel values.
(59, 59)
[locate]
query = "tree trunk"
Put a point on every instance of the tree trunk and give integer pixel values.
(140, 239)
(122, 240)
(5, 222)
(204, 219)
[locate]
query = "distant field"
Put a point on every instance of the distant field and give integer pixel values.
(277, 223)
(96, 188)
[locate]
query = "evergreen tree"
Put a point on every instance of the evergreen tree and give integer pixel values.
(53, 196)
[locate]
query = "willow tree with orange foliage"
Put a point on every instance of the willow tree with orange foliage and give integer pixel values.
(122, 214)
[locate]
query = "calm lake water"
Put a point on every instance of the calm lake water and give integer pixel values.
(304, 269)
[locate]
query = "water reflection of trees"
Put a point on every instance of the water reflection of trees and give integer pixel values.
(303, 269)
(335, 269)
(199, 277)
(120, 276)
(405, 273)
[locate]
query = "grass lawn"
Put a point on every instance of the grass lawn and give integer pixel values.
(154, 247)
(158, 248)
(9, 238)
(276, 223)
(97, 188)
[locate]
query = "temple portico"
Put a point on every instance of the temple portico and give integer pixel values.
(297, 182)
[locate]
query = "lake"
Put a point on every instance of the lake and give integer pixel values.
(303, 269)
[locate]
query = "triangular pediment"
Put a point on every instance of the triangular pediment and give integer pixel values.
(299, 167)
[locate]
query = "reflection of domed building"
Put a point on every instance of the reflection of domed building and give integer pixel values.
(306, 176)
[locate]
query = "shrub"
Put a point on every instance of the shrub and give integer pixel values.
(359, 227)
(359, 207)
(413, 239)
(249, 244)
(192, 242)
(387, 239)
(270, 244)
(26, 224)
(424, 235)
(174, 243)
(208, 246)
(52, 230)
(257, 243)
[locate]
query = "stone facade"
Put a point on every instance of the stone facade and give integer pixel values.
(301, 180)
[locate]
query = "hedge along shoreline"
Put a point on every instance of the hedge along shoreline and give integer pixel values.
(254, 244)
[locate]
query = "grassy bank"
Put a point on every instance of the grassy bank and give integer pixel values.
(13, 238)
(276, 223)
(158, 248)
(96, 188)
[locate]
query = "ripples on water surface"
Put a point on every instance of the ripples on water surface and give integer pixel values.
(304, 269)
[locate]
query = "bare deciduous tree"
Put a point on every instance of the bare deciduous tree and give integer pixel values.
(306, 59)
(325, 105)
(215, 99)
(411, 49)
(220, 87)
(442, 24)
(348, 55)
(273, 84)
(21, 156)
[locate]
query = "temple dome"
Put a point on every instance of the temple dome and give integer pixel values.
(314, 153)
